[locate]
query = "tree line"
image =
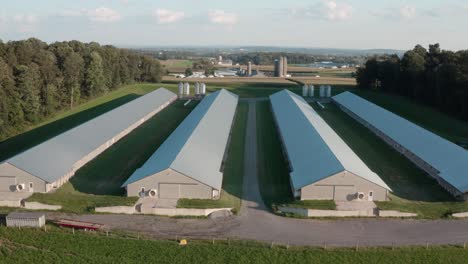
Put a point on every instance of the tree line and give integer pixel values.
(434, 77)
(268, 58)
(38, 79)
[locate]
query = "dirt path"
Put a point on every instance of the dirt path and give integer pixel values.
(255, 222)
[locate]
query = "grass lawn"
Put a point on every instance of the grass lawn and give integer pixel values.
(233, 170)
(98, 182)
(413, 189)
(272, 168)
(61, 246)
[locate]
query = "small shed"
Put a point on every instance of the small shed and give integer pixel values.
(25, 219)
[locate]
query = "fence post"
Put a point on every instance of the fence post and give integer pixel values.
(427, 245)
(357, 245)
(73, 230)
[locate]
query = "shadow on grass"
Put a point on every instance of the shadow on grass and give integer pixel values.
(31, 138)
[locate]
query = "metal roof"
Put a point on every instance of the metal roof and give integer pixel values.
(55, 157)
(449, 159)
(25, 215)
(196, 148)
(314, 150)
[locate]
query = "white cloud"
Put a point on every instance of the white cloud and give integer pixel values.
(338, 11)
(408, 12)
(325, 10)
(25, 19)
(104, 14)
(222, 17)
(164, 16)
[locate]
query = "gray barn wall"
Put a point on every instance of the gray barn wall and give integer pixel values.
(323, 190)
(197, 191)
(21, 176)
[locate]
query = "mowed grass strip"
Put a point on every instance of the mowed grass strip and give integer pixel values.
(273, 174)
(273, 170)
(98, 182)
(231, 193)
(413, 190)
(62, 246)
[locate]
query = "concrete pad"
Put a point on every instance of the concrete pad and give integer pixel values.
(355, 205)
(13, 199)
(166, 203)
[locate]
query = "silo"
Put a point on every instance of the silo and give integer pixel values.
(203, 89)
(181, 89)
(276, 70)
(329, 90)
(285, 66)
(197, 88)
(186, 88)
(249, 68)
(322, 91)
(304, 90)
(281, 67)
(311, 90)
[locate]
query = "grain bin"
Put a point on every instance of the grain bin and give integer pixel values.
(181, 89)
(186, 88)
(322, 91)
(203, 89)
(197, 88)
(305, 90)
(329, 90)
(311, 90)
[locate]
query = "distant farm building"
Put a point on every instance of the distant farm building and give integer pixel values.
(281, 67)
(49, 165)
(189, 164)
(440, 158)
(322, 166)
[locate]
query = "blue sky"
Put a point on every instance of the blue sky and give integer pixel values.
(305, 23)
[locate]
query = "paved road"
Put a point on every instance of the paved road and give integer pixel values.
(257, 223)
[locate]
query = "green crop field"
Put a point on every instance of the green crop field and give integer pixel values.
(233, 170)
(413, 190)
(61, 246)
(98, 182)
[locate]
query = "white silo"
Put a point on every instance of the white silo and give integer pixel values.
(203, 89)
(186, 88)
(197, 88)
(304, 90)
(329, 90)
(181, 89)
(321, 93)
(311, 90)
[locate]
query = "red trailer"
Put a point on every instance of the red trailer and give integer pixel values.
(79, 224)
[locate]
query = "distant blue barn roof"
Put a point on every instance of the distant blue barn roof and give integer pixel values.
(196, 148)
(449, 159)
(314, 150)
(55, 157)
